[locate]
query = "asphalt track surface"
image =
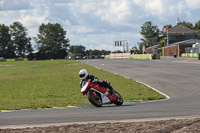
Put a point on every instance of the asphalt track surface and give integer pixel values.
(180, 81)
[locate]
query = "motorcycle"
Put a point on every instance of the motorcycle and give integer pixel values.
(98, 95)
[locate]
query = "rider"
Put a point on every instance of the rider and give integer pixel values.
(83, 74)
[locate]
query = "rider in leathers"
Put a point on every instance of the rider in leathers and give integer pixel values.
(84, 76)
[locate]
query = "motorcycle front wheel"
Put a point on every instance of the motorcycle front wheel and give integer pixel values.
(95, 101)
(119, 100)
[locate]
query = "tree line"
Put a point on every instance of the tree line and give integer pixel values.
(14, 41)
(80, 50)
(51, 41)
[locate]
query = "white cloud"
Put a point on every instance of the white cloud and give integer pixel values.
(193, 4)
(82, 29)
(66, 22)
(117, 12)
(35, 17)
(31, 18)
(14, 5)
(114, 12)
(185, 11)
(97, 23)
(1, 3)
(177, 8)
(138, 2)
(168, 11)
(154, 7)
(7, 17)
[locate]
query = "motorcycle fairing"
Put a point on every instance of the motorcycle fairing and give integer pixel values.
(104, 97)
(83, 89)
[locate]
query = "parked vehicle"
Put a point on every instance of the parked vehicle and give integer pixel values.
(98, 95)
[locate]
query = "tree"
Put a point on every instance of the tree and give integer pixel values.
(5, 39)
(197, 25)
(167, 26)
(51, 40)
(160, 45)
(94, 52)
(105, 52)
(187, 24)
(141, 44)
(10, 50)
(77, 50)
(29, 50)
(150, 33)
(97, 52)
(19, 39)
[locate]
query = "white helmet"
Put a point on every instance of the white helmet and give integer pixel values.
(83, 73)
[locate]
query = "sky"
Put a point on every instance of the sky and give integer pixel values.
(95, 24)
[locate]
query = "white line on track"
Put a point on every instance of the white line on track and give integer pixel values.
(167, 97)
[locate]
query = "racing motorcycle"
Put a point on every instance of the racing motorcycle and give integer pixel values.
(98, 95)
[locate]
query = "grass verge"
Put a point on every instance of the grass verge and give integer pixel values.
(55, 83)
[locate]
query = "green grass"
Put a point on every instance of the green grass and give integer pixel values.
(55, 83)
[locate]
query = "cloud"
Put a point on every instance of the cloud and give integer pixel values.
(153, 7)
(117, 12)
(81, 30)
(193, 4)
(1, 3)
(97, 23)
(177, 8)
(33, 18)
(6, 5)
(112, 12)
(185, 10)
(168, 11)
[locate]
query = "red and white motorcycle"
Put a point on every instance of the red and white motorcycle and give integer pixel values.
(98, 95)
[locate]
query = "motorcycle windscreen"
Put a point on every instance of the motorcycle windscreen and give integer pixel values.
(84, 87)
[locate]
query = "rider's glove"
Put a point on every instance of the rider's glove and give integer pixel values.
(107, 81)
(95, 80)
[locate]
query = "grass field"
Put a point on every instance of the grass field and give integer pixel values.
(55, 83)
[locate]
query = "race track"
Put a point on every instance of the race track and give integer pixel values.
(180, 81)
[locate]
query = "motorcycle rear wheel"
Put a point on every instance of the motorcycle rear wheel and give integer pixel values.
(119, 100)
(95, 101)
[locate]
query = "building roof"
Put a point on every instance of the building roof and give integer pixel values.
(181, 29)
(186, 42)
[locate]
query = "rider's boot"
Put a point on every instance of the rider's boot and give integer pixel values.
(110, 90)
(107, 85)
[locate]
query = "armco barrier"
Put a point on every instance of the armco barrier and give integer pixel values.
(141, 56)
(195, 55)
